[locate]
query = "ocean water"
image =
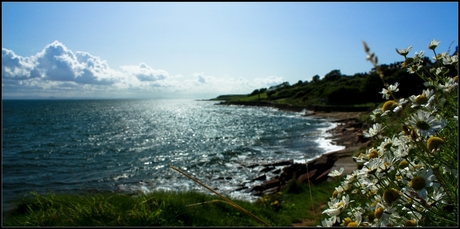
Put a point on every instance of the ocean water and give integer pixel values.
(70, 146)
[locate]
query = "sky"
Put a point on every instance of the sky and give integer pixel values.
(200, 50)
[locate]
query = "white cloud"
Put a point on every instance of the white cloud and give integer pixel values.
(143, 72)
(56, 69)
(269, 81)
(16, 67)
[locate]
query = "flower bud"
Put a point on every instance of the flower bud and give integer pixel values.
(390, 195)
(417, 183)
(378, 213)
(421, 99)
(410, 223)
(434, 142)
(403, 164)
(373, 154)
(389, 105)
(353, 224)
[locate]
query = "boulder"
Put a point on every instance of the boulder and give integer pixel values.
(267, 169)
(261, 177)
(306, 177)
(323, 176)
(271, 183)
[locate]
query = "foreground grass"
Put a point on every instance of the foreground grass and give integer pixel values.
(290, 206)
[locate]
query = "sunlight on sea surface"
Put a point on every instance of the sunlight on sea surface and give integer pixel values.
(129, 145)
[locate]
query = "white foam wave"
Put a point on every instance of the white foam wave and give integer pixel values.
(325, 142)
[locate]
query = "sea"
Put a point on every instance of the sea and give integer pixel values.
(74, 146)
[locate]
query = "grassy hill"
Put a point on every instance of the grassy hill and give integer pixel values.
(334, 92)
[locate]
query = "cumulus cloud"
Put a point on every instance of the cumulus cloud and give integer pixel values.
(143, 72)
(15, 67)
(58, 69)
(57, 63)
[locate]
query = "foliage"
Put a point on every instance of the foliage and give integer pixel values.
(409, 175)
(164, 209)
(336, 89)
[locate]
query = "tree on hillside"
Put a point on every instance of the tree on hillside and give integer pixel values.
(333, 75)
(315, 78)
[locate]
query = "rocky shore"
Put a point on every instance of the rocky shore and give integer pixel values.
(348, 133)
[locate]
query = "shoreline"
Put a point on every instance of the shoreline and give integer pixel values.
(347, 133)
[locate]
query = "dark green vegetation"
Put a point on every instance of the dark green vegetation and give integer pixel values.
(291, 205)
(337, 90)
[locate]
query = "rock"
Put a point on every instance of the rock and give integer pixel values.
(271, 183)
(256, 190)
(267, 169)
(322, 176)
(277, 171)
(241, 188)
(323, 160)
(288, 162)
(348, 133)
(262, 177)
(304, 178)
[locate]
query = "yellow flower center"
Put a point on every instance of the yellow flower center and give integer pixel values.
(340, 204)
(456, 78)
(406, 130)
(346, 221)
(417, 183)
(390, 195)
(334, 194)
(353, 224)
(421, 99)
(434, 142)
(422, 125)
(407, 62)
(378, 213)
(410, 223)
(388, 145)
(373, 154)
(389, 105)
(403, 164)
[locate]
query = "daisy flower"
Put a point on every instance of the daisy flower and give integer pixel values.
(387, 92)
(449, 85)
(328, 222)
(372, 165)
(358, 219)
(385, 215)
(433, 44)
(438, 196)
(418, 57)
(404, 52)
(422, 99)
(336, 173)
(373, 131)
(376, 113)
(421, 180)
(448, 60)
(336, 207)
(393, 106)
(426, 124)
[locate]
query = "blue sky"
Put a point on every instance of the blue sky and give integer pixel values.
(202, 50)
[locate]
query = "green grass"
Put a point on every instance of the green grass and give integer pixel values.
(168, 209)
